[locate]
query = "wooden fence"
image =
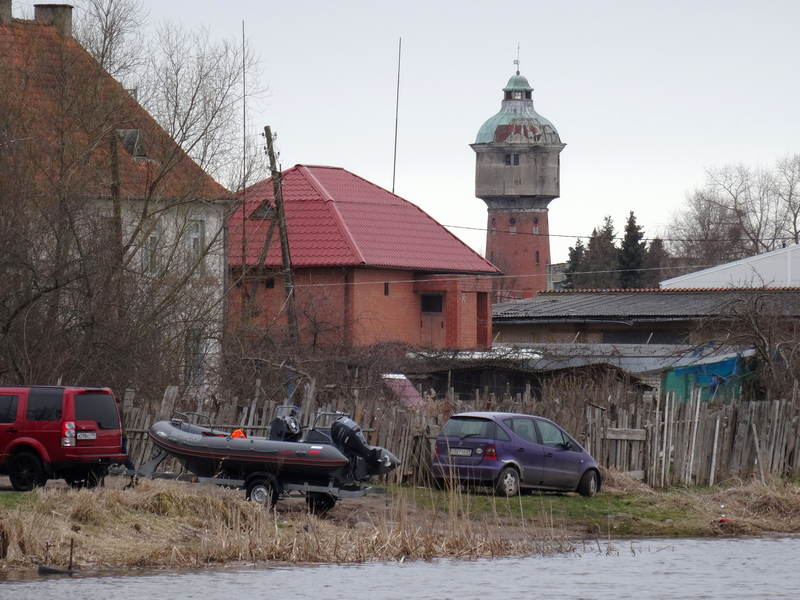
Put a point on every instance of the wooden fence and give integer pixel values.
(660, 441)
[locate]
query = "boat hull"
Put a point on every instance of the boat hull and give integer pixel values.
(209, 453)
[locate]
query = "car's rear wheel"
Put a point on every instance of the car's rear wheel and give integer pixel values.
(590, 484)
(26, 471)
(507, 483)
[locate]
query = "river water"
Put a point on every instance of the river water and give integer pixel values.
(684, 568)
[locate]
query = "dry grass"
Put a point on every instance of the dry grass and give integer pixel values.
(164, 524)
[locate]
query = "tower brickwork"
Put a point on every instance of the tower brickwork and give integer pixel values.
(517, 174)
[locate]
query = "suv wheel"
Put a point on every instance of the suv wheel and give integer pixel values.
(508, 482)
(25, 470)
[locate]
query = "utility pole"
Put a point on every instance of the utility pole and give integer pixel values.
(286, 258)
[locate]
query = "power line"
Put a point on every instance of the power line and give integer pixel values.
(616, 237)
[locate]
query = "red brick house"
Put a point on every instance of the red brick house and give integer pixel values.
(368, 266)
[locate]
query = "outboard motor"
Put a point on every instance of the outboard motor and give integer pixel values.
(349, 438)
(285, 428)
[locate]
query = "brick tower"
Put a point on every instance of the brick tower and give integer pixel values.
(517, 175)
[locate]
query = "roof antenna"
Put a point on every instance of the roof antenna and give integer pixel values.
(396, 110)
(516, 60)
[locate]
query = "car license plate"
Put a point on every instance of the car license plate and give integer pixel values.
(87, 435)
(461, 451)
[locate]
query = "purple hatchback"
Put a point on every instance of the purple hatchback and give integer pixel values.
(512, 451)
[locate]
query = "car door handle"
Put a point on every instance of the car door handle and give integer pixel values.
(12, 430)
(521, 449)
(548, 454)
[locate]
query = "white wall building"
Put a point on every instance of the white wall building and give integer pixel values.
(779, 268)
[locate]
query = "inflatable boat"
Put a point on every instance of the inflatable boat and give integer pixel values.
(338, 455)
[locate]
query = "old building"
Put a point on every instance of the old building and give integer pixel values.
(634, 316)
(112, 234)
(368, 267)
(517, 174)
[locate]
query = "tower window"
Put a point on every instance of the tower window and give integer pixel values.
(537, 257)
(508, 160)
(517, 95)
(516, 160)
(527, 95)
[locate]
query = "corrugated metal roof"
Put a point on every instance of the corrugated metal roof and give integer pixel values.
(335, 218)
(629, 304)
(637, 359)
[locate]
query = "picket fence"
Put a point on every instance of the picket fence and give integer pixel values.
(660, 441)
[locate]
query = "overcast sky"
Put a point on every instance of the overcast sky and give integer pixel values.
(646, 95)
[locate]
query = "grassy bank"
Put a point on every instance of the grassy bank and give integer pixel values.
(627, 508)
(163, 524)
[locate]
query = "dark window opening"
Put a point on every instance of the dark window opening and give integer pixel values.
(507, 96)
(44, 404)
(508, 159)
(99, 408)
(512, 221)
(516, 160)
(432, 303)
(8, 409)
(527, 95)
(535, 220)
(537, 257)
(386, 288)
(270, 283)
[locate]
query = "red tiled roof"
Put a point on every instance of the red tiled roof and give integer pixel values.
(65, 110)
(336, 218)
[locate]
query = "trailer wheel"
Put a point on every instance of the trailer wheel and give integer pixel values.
(263, 490)
(319, 502)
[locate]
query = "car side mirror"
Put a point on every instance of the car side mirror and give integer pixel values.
(565, 446)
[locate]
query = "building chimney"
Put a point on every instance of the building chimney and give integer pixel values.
(5, 12)
(58, 15)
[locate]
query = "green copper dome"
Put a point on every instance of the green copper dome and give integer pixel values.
(517, 122)
(518, 83)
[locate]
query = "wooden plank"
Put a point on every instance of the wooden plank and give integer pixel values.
(613, 433)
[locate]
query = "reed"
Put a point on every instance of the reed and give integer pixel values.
(164, 524)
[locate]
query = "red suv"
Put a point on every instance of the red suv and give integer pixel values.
(54, 432)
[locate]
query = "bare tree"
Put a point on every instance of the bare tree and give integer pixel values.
(787, 187)
(112, 32)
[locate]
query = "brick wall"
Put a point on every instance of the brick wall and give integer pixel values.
(514, 241)
(367, 306)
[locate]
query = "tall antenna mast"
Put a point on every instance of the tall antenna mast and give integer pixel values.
(244, 174)
(396, 110)
(516, 61)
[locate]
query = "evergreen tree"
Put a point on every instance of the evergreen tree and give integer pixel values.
(631, 256)
(655, 262)
(575, 266)
(600, 258)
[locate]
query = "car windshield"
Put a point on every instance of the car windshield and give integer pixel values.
(99, 408)
(462, 427)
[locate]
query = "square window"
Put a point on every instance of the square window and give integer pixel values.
(432, 303)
